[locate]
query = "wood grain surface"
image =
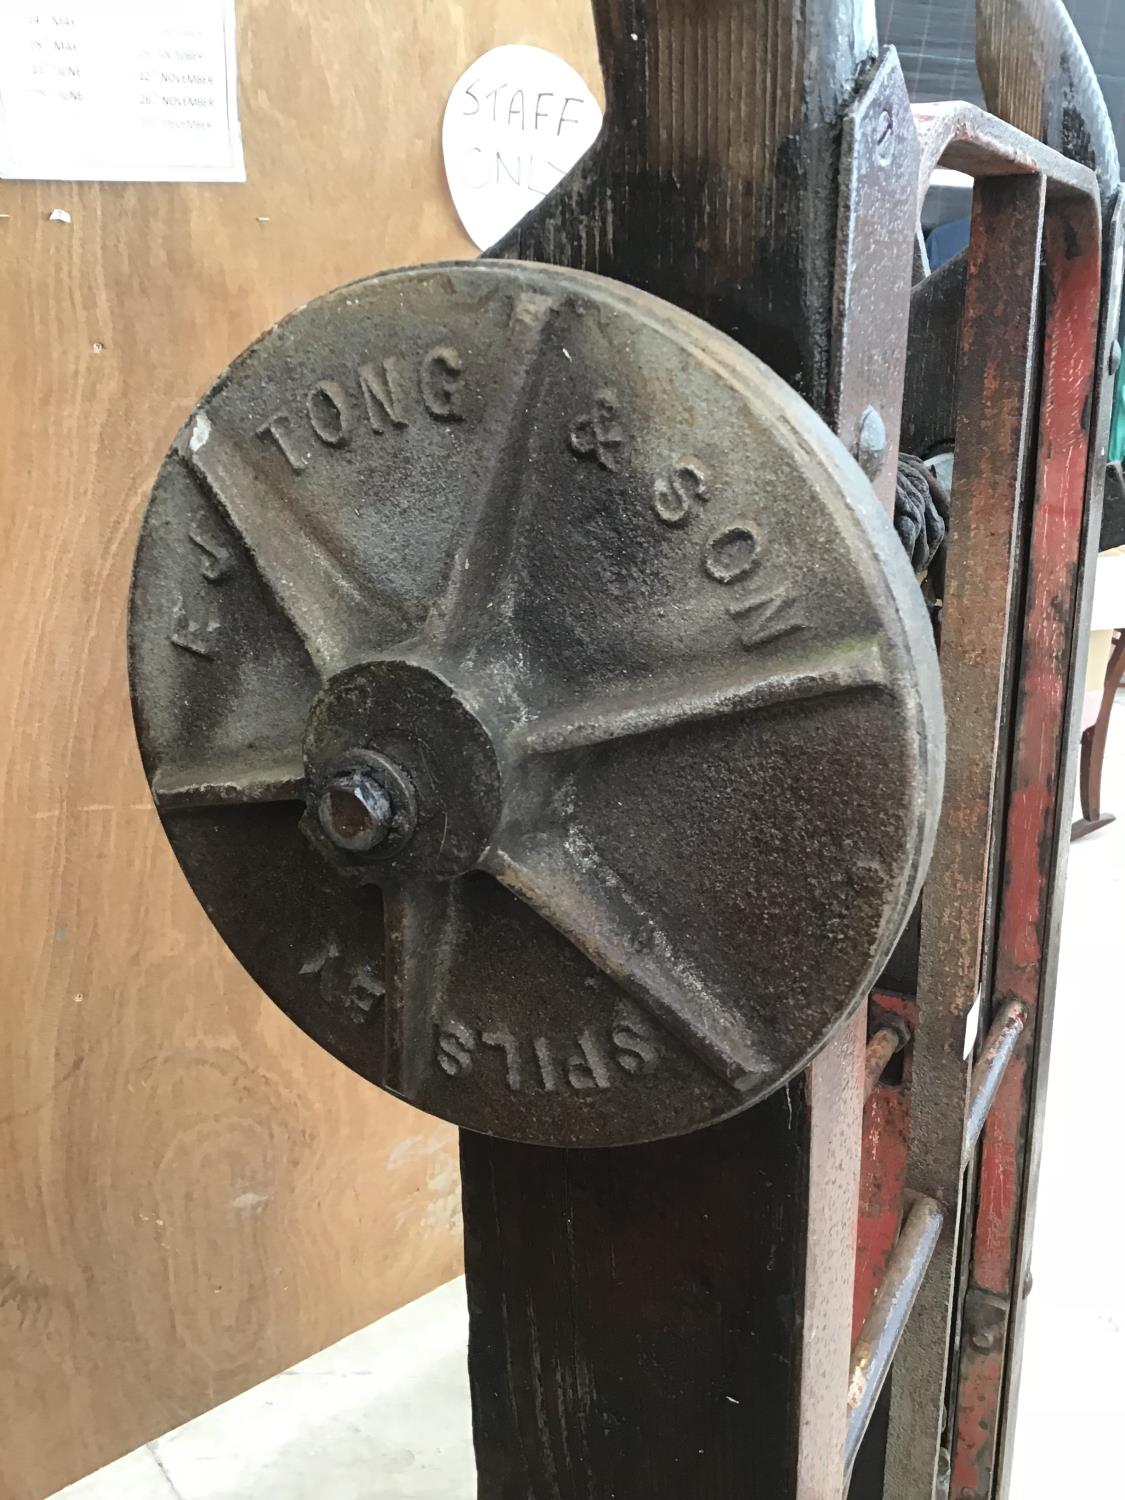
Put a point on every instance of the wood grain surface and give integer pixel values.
(192, 1196)
(674, 1319)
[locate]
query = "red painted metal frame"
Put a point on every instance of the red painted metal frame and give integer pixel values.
(1037, 820)
(1035, 787)
(998, 382)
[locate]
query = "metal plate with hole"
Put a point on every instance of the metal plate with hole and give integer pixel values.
(537, 699)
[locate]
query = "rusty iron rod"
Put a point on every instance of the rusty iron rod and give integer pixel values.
(880, 1049)
(990, 1068)
(879, 1337)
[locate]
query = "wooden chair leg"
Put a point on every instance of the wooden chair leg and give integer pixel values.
(1093, 748)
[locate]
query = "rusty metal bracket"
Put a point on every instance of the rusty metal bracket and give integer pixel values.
(874, 270)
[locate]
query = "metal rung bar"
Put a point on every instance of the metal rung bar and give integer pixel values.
(879, 1337)
(990, 1068)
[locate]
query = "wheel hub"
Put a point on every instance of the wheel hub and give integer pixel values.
(399, 731)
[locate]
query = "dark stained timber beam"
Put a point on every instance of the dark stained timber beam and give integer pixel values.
(674, 1319)
(660, 1321)
(715, 181)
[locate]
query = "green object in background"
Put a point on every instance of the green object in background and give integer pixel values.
(1117, 430)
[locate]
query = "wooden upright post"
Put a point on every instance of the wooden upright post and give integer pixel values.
(673, 1319)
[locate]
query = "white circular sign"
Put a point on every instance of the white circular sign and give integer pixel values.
(515, 124)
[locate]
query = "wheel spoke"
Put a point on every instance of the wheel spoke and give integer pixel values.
(848, 668)
(229, 784)
(421, 922)
(489, 529)
(336, 615)
(573, 889)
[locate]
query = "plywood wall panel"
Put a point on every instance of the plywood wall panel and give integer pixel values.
(192, 1196)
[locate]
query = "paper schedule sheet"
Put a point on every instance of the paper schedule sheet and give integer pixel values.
(119, 91)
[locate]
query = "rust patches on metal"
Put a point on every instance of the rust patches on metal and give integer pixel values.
(881, 1047)
(965, 137)
(981, 1374)
(1023, 972)
(995, 388)
(886, 1128)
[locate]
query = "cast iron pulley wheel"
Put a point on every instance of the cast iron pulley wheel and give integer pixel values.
(537, 699)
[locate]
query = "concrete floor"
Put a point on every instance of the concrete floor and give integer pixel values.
(385, 1413)
(1072, 1398)
(382, 1415)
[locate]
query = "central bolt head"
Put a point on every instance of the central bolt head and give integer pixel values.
(403, 777)
(355, 812)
